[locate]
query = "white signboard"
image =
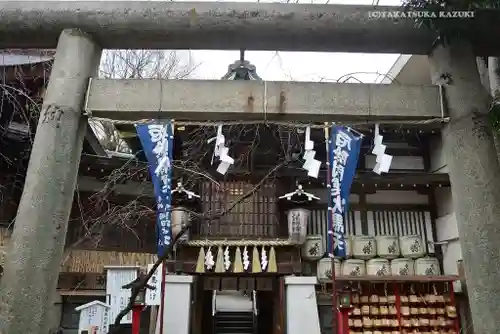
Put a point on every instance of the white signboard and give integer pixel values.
(153, 297)
(116, 297)
(94, 318)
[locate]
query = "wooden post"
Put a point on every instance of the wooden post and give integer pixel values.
(162, 302)
(335, 311)
(136, 318)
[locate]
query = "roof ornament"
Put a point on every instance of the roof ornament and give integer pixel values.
(180, 190)
(299, 193)
(241, 70)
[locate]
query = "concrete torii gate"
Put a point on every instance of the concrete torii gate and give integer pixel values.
(81, 29)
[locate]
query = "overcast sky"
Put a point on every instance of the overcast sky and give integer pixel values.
(299, 66)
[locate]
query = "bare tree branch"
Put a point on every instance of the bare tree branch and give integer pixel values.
(99, 212)
(139, 64)
(141, 282)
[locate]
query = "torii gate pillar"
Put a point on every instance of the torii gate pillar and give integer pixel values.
(474, 172)
(34, 257)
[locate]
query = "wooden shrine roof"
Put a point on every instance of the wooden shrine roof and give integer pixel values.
(99, 166)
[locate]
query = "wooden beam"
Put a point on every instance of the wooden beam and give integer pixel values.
(133, 189)
(81, 281)
(86, 293)
(364, 181)
(189, 267)
(219, 100)
(93, 142)
(97, 281)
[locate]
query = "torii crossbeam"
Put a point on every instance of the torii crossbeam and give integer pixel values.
(229, 25)
(249, 100)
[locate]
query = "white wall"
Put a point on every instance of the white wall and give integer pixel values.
(447, 230)
(416, 71)
(446, 223)
(398, 162)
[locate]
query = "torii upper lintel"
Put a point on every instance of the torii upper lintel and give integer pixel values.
(229, 26)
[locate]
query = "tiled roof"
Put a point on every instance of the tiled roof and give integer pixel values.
(14, 57)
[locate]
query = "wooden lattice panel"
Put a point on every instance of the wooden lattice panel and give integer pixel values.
(256, 216)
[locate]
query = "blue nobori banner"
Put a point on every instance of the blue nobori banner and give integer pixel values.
(344, 147)
(157, 142)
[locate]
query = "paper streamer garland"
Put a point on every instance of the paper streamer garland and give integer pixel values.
(238, 264)
(262, 262)
(272, 267)
(200, 264)
(256, 266)
(219, 263)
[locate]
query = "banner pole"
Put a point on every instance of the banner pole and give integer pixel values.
(330, 231)
(164, 264)
(162, 295)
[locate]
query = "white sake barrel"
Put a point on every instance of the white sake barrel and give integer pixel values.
(403, 267)
(388, 246)
(353, 267)
(313, 248)
(180, 218)
(324, 272)
(364, 247)
(412, 246)
(348, 247)
(298, 220)
(427, 266)
(378, 267)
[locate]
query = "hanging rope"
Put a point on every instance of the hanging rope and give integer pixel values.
(289, 123)
(237, 243)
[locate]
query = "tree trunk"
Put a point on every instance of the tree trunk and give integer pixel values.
(474, 174)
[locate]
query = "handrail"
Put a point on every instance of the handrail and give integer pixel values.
(254, 302)
(214, 310)
(254, 313)
(214, 303)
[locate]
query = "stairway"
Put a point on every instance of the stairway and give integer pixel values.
(233, 322)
